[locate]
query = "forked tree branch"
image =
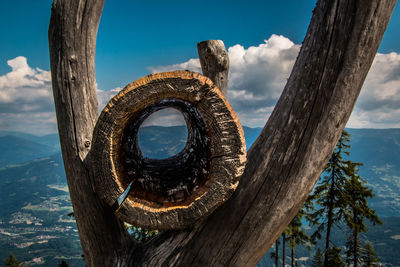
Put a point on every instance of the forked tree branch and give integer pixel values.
(283, 164)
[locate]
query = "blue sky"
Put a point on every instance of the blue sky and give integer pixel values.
(139, 37)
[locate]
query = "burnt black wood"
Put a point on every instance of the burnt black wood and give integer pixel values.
(173, 179)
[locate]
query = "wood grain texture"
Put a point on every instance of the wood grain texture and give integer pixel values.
(72, 42)
(283, 163)
(214, 62)
(227, 151)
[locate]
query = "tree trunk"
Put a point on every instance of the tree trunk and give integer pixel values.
(283, 249)
(283, 164)
(329, 216)
(355, 239)
(72, 43)
(293, 258)
(355, 249)
(215, 63)
(277, 253)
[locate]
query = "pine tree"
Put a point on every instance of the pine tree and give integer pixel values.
(335, 259)
(275, 255)
(341, 196)
(284, 248)
(356, 194)
(318, 259)
(64, 264)
(295, 232)
(328, 195)
(368, 256)
(12, 261)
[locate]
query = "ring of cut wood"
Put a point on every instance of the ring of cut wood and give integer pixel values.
(176, 192)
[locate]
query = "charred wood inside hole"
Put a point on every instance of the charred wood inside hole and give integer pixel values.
(173, 179)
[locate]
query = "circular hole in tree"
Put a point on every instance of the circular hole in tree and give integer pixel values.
(171, 180)
(163, 134)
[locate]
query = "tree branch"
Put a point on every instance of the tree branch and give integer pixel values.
(295, 144)
(72, 42)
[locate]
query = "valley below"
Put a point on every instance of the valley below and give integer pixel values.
(35, 209)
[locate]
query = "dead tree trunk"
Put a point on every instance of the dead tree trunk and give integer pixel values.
(72, 42)
(282, 166)
(215, 63)
(283, 249)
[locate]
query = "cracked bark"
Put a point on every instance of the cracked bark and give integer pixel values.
(283, 163)
(214, 62)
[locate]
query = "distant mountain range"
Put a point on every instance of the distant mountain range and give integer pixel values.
(16, 148)
(34, 199)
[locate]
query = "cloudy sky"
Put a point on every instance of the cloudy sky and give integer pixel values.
(262, 37)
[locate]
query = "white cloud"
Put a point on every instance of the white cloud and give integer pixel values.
(104, 96)
(192, 65)
(165, 117)
(26, 100)
(39, 123)
(378, 105)
(258, 75)
(25, 88)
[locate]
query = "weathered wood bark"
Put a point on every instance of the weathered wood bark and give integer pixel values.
(283, 163)
(72, 42)
(214, 62)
